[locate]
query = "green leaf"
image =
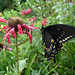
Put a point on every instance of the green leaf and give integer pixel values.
(35, 72)
(27, 71)
(22, 65)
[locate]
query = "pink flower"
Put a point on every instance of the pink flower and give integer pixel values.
(30, 36)
(44, 21)
(29, 11)
(13, 33)
(8, 30)
(70, 0)
(3, 20)
(20, 29)
(5, 27)
(29, 19)
(6, 47)
(6, 36)
(24, 12)
(32, 19)
(31, 28)
(16, 24)
(73, 3)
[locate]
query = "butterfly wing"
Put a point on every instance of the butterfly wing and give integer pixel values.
(60, 34)
(49, 48)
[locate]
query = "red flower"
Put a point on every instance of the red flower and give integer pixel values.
(29, 11)
(44, 21)
(24, 12)
(5, 27)
(73, 3)
(70, 0)
(30, 27)
(16, 24)
(32, 19)
(30, 36)
(3, 20)
(20, 29)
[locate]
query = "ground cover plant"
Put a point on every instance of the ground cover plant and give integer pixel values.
(21, 49)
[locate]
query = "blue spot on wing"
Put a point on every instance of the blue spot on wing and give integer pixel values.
(50, 52)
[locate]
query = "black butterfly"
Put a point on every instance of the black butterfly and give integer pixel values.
(54, 36)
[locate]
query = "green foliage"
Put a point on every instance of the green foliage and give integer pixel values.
(5, 4)
(31, 56)
(27, 71)
(12, 13)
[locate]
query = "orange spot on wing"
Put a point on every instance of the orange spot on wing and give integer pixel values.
(51, 54)
(50, 57)
(46, 56)
(46, 49)
(52, 51)
(53, 46)
(50, 46)
(52, 40)
(49, 50)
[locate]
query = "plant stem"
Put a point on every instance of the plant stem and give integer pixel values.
(17, 54)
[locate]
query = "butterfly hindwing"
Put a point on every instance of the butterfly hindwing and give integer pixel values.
(49, 48)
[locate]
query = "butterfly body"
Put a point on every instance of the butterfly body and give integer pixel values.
(54, 36)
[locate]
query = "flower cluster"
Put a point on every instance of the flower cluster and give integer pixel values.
(70, 1)
(25, 12)
(44, 21)
(32, 19)
(16, 24)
